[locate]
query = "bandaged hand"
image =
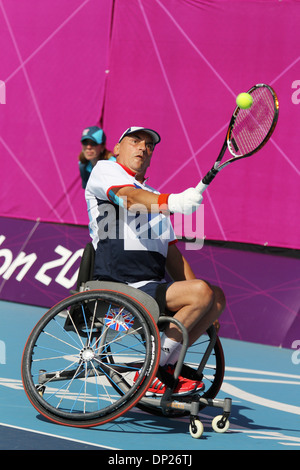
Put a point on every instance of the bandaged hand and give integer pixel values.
(186, 202)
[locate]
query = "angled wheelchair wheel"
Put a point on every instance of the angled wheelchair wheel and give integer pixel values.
(90, 358)
(204, 361)
(212, 370)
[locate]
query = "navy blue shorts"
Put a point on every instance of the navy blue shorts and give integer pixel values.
(158, 290)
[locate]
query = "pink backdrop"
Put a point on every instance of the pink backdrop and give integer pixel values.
(173, 65)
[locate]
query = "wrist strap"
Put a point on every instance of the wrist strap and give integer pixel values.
(163, 201)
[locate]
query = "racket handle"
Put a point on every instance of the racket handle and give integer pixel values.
(209, 176)
(201, 187)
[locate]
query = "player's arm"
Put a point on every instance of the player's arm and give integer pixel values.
(177, 266)
(185, 203)
(139, 198)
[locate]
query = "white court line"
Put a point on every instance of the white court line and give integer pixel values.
(260, 372)
(59, 437)
(238, 393)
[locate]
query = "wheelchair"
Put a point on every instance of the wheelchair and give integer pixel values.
(92, 357)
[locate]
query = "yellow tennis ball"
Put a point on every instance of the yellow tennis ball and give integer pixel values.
(244, 101)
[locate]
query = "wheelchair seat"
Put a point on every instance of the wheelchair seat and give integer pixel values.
(86, 268)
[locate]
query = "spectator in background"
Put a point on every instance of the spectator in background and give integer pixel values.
(93, 142)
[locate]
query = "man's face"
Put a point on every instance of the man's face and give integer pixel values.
(135, 152)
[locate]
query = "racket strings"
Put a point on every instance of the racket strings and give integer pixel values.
(252, 125)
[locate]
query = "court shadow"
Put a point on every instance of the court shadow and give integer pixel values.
(239, 419)
(140, 422)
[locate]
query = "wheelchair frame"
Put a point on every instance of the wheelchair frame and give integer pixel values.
(100, 359)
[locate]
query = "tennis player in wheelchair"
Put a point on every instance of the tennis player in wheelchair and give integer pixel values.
(135, 244)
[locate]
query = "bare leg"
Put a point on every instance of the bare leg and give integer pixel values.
(197, 304)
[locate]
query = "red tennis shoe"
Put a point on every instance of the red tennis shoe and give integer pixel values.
(183, 387)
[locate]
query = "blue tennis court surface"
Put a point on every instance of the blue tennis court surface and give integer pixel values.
(263, 382)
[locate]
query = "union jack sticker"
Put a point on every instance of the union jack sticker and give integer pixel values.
(119, 319)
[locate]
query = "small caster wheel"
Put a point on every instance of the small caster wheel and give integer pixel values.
(218, 425)
(196, 429)
(40, 389)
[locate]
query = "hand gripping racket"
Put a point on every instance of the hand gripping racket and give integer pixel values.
(248, 131)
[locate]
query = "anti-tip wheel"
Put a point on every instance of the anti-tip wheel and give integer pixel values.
(196, 429)
(216, 424)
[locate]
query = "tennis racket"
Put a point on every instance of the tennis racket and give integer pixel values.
(248, 131)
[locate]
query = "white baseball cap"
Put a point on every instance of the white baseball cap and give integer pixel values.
(155, 136)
